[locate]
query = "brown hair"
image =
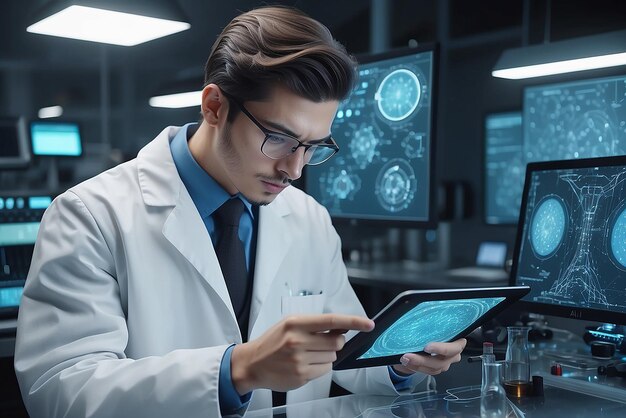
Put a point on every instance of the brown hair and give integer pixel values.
(279, 45)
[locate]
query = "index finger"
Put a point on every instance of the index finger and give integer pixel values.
(327, 322)
(446, 349)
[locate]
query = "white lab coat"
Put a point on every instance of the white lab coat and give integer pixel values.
(125, 310)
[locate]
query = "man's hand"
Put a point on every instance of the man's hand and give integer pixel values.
(442, 355)
(293, 352)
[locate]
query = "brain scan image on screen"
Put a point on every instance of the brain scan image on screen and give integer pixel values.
(573, 120)
(574, 237)
(433, 321)
(382, 170)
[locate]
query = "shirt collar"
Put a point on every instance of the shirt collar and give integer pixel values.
(205, 192)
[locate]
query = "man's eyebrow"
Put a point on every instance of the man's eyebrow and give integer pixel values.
(280, 128)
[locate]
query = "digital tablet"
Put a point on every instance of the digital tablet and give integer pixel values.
(417, 317)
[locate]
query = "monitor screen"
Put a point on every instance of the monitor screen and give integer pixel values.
(570, 120)
(20, 217)
(571, 241)
(53, 138)
(504, 167)
(384, 169)
(580, 119)
(14, 151)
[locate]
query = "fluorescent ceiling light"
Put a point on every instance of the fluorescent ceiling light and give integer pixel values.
(579, 54)
(177, 100)
(560, 67)
(106, 26)
(50, 112)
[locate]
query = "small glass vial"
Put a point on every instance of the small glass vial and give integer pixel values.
(488, 356)
(493, 402)
(517, 370)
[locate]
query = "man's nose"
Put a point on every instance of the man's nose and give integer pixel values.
(292, 164)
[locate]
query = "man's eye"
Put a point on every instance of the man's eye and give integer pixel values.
(276, 140)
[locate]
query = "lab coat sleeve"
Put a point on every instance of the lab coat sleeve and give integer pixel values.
(372, 380)
(71, 337)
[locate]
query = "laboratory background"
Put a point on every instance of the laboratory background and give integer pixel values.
(483, 145)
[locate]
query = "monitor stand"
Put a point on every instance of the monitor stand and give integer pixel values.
(52, 182)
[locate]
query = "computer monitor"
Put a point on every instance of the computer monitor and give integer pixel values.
(55, 138)
(571, 240)
(504, 167)
(384, 169)
(20, 216)
(560, 121)
(578, 119)
(14, 150)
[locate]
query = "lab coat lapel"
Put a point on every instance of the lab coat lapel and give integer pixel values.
(273, 243)
(186, 231)
(183, 228)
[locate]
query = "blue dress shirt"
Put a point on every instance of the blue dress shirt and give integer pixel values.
(208, 196)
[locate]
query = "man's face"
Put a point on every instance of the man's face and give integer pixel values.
(259, 178)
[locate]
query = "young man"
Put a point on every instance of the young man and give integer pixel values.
(139, 304)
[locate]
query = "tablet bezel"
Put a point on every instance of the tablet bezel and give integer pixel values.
(348, 356)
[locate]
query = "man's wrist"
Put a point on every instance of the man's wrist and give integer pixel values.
(239, 370)
(402, 371)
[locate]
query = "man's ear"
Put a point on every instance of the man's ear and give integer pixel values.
(213, 104)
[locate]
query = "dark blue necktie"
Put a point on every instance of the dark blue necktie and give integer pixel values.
(232, 258)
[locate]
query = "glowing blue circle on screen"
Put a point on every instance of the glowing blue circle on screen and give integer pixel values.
(547, 227)
(618, 239)
(433, 321)
(398, 94)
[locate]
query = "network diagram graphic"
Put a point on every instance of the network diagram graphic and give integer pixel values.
(572, 120)
(574, 238)
(383, 132)
(582, 119)
(413, 330)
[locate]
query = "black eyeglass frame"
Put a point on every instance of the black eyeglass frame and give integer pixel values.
(327, 142)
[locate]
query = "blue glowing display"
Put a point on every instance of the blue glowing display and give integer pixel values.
(572, 250)
(56, 139)
(383, 129)
(39, 202)
(504, 167)
(618, 239)
(10, 296)
(433, 321)
(548, 226)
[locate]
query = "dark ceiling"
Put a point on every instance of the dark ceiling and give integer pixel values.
(62, 71)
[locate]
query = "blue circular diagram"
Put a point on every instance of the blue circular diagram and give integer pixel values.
(398, 94)
(547, 227)
(363, 146)
(434, 321)
(618, 239)
(396, 185)
(345, 185)
(413, 145)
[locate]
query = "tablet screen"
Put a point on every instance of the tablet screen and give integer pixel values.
(438, 320)
(416, 318)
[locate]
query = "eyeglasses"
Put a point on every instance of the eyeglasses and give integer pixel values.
(277, 145)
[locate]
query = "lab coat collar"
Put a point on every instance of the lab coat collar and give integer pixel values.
(158, 179)
(161, 186)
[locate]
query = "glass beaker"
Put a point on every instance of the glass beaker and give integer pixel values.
(493, 402)
(517, 363)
